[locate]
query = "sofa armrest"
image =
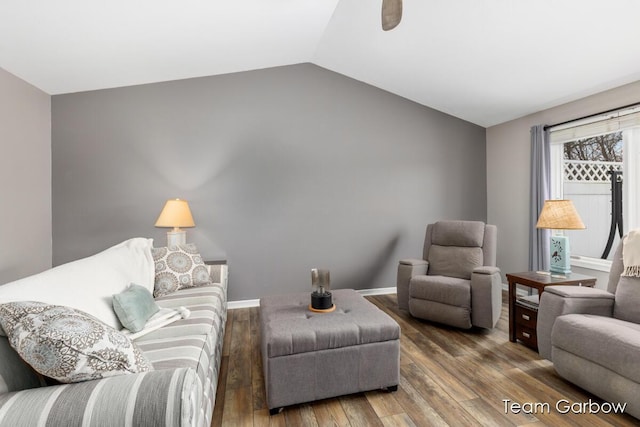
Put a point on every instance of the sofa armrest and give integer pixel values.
(165, 397)
(560, 300)
(408, 268)
(486, 296)
(218, 273)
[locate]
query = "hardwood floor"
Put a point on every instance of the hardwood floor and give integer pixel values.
(449, 377)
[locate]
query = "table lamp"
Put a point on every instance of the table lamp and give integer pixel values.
(560, 215)
(176, 214)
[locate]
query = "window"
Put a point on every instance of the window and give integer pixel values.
(585, 156)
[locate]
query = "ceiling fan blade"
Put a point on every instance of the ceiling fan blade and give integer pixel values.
(391, 14)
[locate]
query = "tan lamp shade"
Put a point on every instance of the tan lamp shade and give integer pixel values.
(559, 215)
(176, 214)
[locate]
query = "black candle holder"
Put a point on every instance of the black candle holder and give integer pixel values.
(320, 290)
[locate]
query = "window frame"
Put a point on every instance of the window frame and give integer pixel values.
(626, 120)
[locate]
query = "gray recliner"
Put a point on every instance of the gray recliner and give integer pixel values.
(456, 282)
(592, 336)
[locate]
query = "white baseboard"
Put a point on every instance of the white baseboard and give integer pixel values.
(377, 291)
(248, 303)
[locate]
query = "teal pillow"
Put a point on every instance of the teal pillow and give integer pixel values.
(134, 306)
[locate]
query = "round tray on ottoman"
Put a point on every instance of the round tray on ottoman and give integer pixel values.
(320, 310)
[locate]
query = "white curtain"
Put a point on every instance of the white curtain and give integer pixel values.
(540, 191)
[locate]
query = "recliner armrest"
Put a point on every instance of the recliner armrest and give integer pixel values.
(486, 296)
(414, 262)
(486, 270)
(579, 292)
(559, 300)
(408, 268)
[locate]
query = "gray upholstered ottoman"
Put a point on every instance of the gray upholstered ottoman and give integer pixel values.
(308, 356)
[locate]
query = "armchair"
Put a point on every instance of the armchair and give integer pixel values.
(456, 282)
(592, 336)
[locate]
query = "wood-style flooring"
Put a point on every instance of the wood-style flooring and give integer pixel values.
(449, 377)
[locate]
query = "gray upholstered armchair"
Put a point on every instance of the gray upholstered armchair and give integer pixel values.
(592, 336)
(456, 282)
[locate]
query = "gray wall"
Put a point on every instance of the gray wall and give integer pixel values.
(508, 172)
(285, 169)
(25, 178)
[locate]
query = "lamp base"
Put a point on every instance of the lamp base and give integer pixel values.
(175, 238)
(560, 261)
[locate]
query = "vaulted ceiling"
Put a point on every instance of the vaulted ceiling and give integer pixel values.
(485, 61)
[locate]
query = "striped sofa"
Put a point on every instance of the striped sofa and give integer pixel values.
(180, 391)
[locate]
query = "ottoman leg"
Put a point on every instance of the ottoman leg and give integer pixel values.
(390, 389)
(275, 411)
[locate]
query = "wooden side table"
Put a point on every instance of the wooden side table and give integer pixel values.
(218, 269)
(523, 311)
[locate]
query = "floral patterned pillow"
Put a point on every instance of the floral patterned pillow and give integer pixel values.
(178, 267)
(69, 345)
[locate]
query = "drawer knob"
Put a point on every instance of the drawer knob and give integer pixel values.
(526, 335)
(526, 317)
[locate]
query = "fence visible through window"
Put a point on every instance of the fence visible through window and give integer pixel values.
(588, 184)
(589, 170)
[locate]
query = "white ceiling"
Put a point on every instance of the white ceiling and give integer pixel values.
(485, 61)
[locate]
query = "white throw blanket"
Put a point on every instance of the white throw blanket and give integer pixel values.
(631, 253)
(162, 318)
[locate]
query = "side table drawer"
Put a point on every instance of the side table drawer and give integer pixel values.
(527, 336)
(526, 317)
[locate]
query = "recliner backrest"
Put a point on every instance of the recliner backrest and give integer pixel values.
(455, 248)
(626, 289)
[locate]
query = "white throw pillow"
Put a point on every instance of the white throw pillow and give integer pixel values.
(88, 284)
(69, 345)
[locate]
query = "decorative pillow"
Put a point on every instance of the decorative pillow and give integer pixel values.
(134, 306)
(67, 344)
(627, 303)
(178, 267)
